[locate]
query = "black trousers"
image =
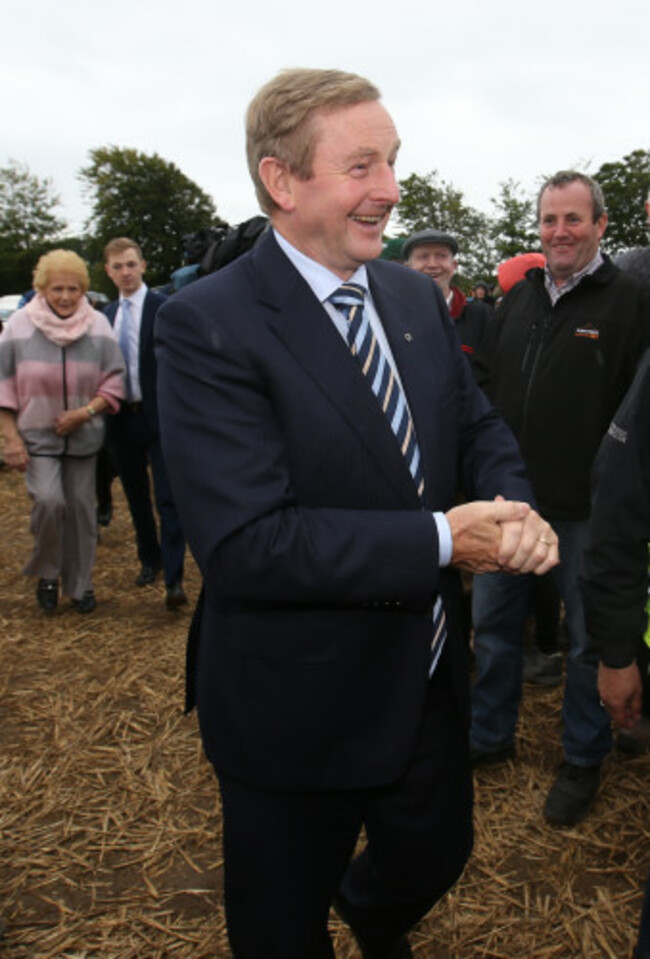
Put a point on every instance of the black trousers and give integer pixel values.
(134, 447)
(287, 855)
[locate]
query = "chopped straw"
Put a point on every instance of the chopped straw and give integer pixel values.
(110, 831)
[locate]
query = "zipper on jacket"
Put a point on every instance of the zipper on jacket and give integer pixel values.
(533, 370)
(529, 345)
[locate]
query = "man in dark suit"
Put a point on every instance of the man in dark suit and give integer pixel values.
(328, 658)
(134, 439)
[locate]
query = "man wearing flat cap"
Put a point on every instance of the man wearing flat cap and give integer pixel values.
(434, 252)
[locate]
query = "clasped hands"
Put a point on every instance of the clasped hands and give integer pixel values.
(501, 535)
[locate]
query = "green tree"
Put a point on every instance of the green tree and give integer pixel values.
(148, 199)
(428, 201)
(28, 224)
(625, 184)
(27, 206)
(514, 228)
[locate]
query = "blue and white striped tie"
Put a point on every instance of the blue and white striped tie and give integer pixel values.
(385, 385)
(349, 300)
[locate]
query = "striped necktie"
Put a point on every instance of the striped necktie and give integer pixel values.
(349, 300)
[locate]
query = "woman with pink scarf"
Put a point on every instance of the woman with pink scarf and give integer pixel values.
(61, 369)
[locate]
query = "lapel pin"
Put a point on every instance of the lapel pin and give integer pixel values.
(408, 337)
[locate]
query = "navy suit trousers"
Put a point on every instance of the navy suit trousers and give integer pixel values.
(288, 855)
(134, 446)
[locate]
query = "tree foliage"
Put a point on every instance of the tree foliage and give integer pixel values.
(428, 201)
(148, 199)
(625, 184)
(513, 225)
(28, 224)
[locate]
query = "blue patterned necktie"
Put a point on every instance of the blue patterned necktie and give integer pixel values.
(125, 344)
(349, 300)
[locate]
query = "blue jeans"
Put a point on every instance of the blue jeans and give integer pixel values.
(500, 607)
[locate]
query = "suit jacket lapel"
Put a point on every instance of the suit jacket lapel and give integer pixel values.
(305, 328)
(146, 329)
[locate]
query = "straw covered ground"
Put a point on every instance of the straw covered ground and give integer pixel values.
(109, 813)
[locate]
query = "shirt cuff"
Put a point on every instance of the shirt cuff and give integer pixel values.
(445, 542)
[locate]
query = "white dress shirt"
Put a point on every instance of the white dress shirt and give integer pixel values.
(137, 303)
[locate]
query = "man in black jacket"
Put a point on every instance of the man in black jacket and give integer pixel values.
(615, 567)
(567, 342)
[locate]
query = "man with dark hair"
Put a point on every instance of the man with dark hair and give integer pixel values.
(134, 438)
(433, 252)
(567, 342)
(318, 418)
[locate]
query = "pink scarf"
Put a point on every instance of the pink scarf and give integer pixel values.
(62, 332)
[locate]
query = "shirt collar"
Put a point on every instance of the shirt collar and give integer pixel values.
(321, 280)
(137, 298)
(555, 291)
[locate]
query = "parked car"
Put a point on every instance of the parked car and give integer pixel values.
(8, 305)
(98, 300)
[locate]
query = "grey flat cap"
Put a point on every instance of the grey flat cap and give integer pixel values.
(429, 236)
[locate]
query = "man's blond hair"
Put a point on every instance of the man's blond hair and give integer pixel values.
(279, 119)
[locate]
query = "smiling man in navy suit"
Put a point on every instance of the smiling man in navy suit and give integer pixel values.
(328, 660)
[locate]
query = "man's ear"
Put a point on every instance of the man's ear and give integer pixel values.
(278, 182)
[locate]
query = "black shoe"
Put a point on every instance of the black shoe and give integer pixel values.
(636, 741)
(86, 604)
(104, 514)
(47, 594)
(542, 669)
(400, 950)
(493, 757)
(175, 596)
(397, 949)
(572, 794)
(147, 575)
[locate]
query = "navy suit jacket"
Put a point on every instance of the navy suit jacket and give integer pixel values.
(147, 357)
(320, 562)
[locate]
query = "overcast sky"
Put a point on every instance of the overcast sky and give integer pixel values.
(481, 90)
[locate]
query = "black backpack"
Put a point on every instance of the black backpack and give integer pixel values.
(214, 247)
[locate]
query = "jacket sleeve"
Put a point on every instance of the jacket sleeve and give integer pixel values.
(614, 576)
